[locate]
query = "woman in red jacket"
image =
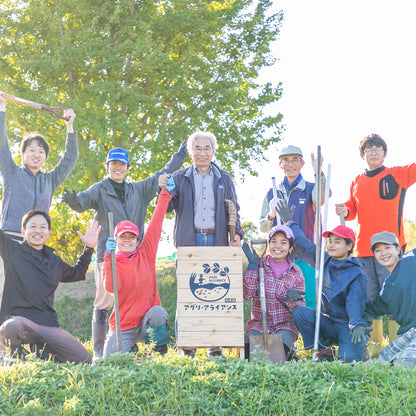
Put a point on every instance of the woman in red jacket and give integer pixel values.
(139, 302)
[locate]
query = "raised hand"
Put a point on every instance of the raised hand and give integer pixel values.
(91, 234)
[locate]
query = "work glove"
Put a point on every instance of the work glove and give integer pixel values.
(252, 257)
(294, 295)
(183, 151)
(283, 211)
(315, 162)
(272, 207)
(69, 197)
(110, 245)
(359, 333)
(170, 184)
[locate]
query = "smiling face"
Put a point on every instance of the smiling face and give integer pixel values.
(337, 247)
(34, 156)
(117, 171)
(36, 231)
(202, 153)
(279, 247)
(388, 255)
(291, 165)
(126, 243)
(374, 156)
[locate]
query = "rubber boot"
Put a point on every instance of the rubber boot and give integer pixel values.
(99, 330)
(376, 338)
(392, 327)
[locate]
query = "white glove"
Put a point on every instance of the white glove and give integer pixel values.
(272, 207)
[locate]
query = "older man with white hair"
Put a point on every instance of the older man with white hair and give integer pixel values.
(199, 198)
(199, 201)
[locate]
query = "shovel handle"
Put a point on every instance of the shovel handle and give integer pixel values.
(53, 110)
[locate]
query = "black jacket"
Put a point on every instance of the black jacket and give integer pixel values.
(31, 279)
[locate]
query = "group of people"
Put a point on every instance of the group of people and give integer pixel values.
(356, 290)
(199, 195)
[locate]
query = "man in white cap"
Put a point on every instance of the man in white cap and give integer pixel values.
(127, 201)
(297, 192)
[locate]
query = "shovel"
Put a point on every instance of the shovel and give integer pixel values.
(265, 346)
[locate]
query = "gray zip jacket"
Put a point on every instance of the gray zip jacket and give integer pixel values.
(22, 191)
(103, 199)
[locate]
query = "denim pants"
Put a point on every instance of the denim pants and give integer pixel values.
(155, 316)
(204, 239)
(331, 332)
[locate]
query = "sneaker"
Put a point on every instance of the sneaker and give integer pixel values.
(161, 349)
(328, 354)
(215, 352)
(189, 352)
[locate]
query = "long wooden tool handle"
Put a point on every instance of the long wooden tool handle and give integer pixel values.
(115, 289)
(38, 106)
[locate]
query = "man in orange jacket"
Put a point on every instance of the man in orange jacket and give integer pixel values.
(377, 201)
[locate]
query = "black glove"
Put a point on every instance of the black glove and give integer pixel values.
(183, 151)
(294, 295)
(70, 197)
(359, 333)
(283, 211)
(252, 257)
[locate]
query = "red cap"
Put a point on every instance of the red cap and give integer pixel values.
(341, 231)
(126, 227)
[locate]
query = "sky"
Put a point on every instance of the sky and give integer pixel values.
(348, 69)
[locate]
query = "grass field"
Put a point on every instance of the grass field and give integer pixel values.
(176, 385)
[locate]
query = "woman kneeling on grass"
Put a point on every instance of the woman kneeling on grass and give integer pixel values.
(397, 297)
(280, 276)
(343, 320)
(343, 297)
(139, 302)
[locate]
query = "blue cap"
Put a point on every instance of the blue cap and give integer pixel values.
(281, 229)
(118, 154)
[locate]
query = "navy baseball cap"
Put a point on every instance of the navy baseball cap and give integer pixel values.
(119, 155)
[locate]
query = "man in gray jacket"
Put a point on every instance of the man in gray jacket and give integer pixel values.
(25, 187)
(127, 201)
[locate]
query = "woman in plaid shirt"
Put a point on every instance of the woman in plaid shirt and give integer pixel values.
(280, 276)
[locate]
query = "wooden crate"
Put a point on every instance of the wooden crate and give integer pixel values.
(210, 297)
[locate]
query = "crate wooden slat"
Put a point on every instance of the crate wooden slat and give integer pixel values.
(210, 297)
(206, 339)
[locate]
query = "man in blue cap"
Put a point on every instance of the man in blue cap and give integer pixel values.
(127, 201)
(297, 192)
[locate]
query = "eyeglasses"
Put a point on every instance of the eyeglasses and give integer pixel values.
(373, 150)
(199, 150)
(287, 161)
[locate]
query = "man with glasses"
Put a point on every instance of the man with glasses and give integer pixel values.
(199, 198)
(297, 192)
(377, 201)
(201, 217)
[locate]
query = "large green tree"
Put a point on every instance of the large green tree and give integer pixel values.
(140, 75)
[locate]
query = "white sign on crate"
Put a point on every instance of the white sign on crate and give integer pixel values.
(210, 297)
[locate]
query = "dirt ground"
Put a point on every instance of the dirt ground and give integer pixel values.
(77, 290)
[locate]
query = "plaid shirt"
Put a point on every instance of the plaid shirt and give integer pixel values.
(279, 308)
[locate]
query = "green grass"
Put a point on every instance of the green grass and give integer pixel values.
(176, 385)
(173, 385)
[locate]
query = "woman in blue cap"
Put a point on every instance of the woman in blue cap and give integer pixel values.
(280, 276)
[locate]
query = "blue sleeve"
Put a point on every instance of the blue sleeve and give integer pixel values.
(355, 302)
(304, 248)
